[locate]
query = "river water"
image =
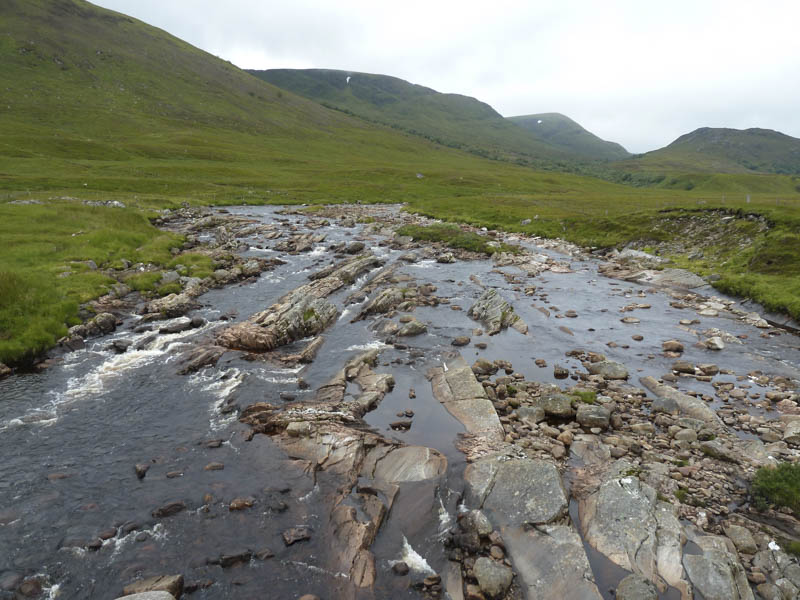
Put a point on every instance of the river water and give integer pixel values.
(71, 435)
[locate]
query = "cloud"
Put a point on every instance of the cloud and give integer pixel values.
(639, 73)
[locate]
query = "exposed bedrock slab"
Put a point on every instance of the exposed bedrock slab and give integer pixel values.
(495, 313)
(303, 312)
(550, 562)
(717, 572)
(456, 387)
(516, 492)
(624, 520)
(525, 499)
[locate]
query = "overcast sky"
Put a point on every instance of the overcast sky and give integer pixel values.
(638, 72)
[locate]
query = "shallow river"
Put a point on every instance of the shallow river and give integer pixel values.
(71, 435)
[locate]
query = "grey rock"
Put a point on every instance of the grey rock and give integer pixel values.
(171, 306)
(446, 258)
(717, 573)
(715, 343)
(495, 313)
(148, 596)
(664, 405)
(608, 369)
(172, 584)
(593, 415)
(551, 562)
(791, 434)
(410, 463)
(636, 587)
(688, 405)
(556, 405)
(741, 538)
(412, 328)
(521, 492)
(719, 451)
(679, 278)
(493, 578)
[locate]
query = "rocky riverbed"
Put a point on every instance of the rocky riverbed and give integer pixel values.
(342, 412)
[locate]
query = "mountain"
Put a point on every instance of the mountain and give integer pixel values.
(450, 119)
(567, 135)
(94, 100)
(721, 150)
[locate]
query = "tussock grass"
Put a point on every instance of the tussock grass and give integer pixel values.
(779, 487)
(454, 237)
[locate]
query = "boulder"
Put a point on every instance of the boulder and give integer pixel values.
(593, 415)
(556, 405)
(495, 313)
(608, 369)
(148, 596)
(688, 405)
(636, 587)
(171, 306)
(4, 371)
(791, 434)
(172, 584)
(412, 328)
(410, 463)
(741, 538)
(493, 578)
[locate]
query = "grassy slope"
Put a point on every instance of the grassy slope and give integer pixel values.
(564, 133)
(450, 119)
(716, 150)
(95, 105)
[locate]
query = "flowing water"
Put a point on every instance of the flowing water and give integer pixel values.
(71, 435)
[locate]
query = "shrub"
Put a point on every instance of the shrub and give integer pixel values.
(779, 487)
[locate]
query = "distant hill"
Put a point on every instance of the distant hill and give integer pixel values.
(450, 119)
(720, 150)
(567, 135)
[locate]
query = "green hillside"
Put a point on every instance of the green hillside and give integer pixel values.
(719, 150)
(449, 119)
(567, 135)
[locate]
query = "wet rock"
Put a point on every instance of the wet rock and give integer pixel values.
(446, 258)
(4, 371)
(214, 466)
(181, 324)
(230, 560)
(412, 328)
(560, 372)
(608, 369)
(141, 470)
(354, 247)
(172, 584)
(296, 534)
(303, 312)
(493, 578)
(593, 415)
(9, 581)
(410, 463)
(169, 509)
(199, 358)
(636, 587)
(484, 367)
(495, 313)
(118, 346)
(171, 306)
(308, 597)
(148, 596)
(101, 324)
(241, 503)
(672, 346)
(715, 343)
(461, 340)
(463, 397)
(400, 568)
(683, 366)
